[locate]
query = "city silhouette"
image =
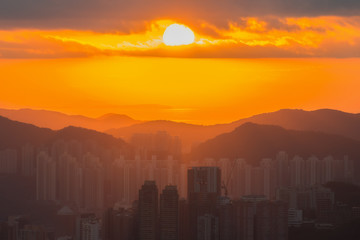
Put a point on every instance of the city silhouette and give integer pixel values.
(179, 120)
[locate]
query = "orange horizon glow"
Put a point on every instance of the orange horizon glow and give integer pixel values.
(251, 37)
(201, 91)
(247, 67)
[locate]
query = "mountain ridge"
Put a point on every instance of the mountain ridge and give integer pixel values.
(15, 134)
(255, 141)
(324, 120)
(57, 120)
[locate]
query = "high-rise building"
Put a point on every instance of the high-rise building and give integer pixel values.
(33, 232)
(313, 171)
(183, 220)
(65, 222)
(63, 176)
(269, 178)
(225, 209)
(119, 223)
(204, 180)
(148, 211)
(297, 171)
(93, 184)
(169, 213)
(327, 169)
(88, 227)
(295, 217)
(207, 227)
(8, 161)
(324, 200)
(257, 181)
(282, 169)
(28, 160)
(204, 189)
(240, 184)
(257, 218)
(45, 177)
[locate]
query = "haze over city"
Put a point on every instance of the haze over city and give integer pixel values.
(179, 120)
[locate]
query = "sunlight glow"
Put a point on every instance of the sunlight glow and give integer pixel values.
(176, 35)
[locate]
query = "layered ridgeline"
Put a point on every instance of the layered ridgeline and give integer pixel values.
(57, 120)
(325, 120)
(121, 126)
(15, 134)
(254, 141)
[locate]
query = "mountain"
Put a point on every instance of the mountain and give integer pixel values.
(15, 134)
(253, 142)
(57, 120)
(324, 120)
(189, 133)
(87, 135)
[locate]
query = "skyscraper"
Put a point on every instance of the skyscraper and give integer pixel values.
(204, 180)
(119, 223)
(257, 218)
(169, 213)
(297, 171)
(204, 189)
(148, 211)
(45, 177)
(88, 227)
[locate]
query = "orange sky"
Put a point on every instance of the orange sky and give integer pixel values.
(192, 90)
(326, 36)
(245, 67)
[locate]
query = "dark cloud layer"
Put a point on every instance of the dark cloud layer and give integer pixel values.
(111, 14)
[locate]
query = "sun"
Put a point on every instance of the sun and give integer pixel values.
(177, 34)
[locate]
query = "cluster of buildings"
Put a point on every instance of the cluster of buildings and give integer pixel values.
(20, 228)
(270, 175)
(205, 215)
(88, 177)
(152, 194)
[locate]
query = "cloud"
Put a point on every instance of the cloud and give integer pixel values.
(115, 15)
(264, 37)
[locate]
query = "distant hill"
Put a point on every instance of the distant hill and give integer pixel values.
(57, 120)
(324, 120)
(254, 142)
(189, 133)
(14, 134)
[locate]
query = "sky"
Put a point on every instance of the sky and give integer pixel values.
(98, 56)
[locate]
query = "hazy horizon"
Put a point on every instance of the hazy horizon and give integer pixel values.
(179, 120)
(205, 91)
(107, 114)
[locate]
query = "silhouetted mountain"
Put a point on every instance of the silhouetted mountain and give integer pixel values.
(254, 142)
(189, 133)
(15, 134)
(116, 118)
(82, 134)
(324, 120)
(57, 120)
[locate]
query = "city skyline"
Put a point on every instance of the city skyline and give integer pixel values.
(179, 120)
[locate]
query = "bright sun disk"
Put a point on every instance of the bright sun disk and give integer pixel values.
(177, 34)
